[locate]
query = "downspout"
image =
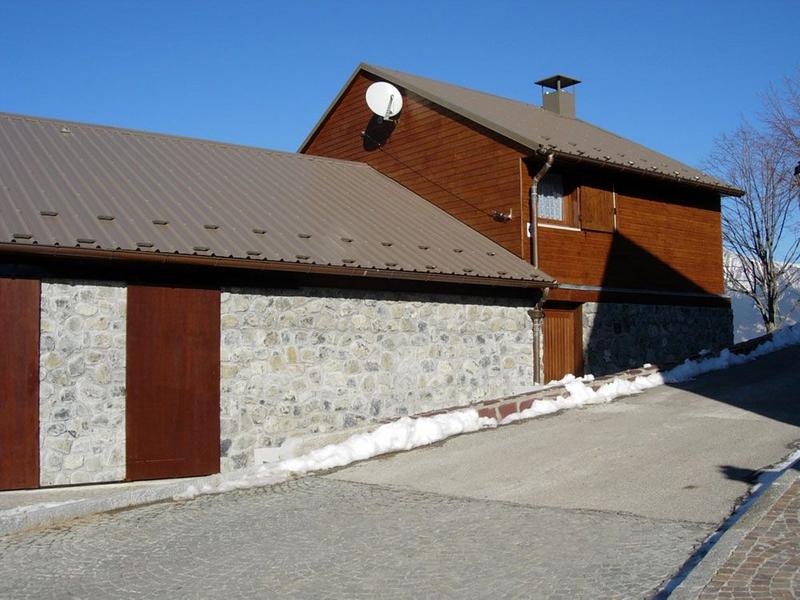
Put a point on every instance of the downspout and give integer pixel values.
(537, 321)
(537, 314)
(533, 204)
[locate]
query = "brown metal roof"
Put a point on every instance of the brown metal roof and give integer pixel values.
(534, 127)
(69, 185)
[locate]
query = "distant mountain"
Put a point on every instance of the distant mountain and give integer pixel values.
(747, 322)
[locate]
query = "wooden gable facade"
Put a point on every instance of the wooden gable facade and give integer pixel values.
(663, 236)
(622, 237)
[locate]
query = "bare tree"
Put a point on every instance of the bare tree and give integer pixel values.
(783, 113)
(759, 228)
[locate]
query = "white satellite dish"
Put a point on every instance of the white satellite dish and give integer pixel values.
(384, 99)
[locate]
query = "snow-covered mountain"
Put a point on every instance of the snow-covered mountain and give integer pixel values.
(747, 322)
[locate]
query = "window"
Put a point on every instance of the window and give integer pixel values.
(551, 198)
(556, 201)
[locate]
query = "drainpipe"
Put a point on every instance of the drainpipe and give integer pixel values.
(537, 313)
(533, 204)
(537, 321)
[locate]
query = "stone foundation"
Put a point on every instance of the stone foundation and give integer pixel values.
(82, 383)
(315, 361)
(622, 336)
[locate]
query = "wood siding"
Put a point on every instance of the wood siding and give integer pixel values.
(441, 157)
(19, 383)
(562, 342)
(172, 409)
(663, 241)
(667, 236)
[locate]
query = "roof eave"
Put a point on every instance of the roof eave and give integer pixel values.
(722, 190)
(514, 137)
(145, 257)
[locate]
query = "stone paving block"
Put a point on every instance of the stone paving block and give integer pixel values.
(766, 563)
(323, 538)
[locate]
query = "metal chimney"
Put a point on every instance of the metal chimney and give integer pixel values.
(558, 100)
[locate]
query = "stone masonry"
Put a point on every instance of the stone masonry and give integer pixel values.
(621, 336)
(82, 383)
(311, 361)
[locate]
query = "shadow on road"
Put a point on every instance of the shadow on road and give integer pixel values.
(768, 386)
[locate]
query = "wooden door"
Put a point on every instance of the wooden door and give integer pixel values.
(19, 383)
(172, 409)
(563, 346)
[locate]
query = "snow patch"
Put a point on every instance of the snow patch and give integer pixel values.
(403, 434)
(579, 394)
(407, 433)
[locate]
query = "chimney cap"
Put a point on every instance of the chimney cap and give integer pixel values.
(557, 82)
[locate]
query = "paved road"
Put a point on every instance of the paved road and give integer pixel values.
(672, 453)
(599, 503)
(321, 538)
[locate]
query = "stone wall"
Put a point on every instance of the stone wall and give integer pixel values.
(313, 361)
(622, 336)
(82, 383)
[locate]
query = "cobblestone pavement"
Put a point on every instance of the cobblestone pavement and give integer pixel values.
(766, 563)
(323, 538)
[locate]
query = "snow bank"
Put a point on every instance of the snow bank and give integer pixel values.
(579, 394)
(408, 433)
(403, 434)
(787, 336)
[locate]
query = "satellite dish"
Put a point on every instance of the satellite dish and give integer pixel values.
(384, 99)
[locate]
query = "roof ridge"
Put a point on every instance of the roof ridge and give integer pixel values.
(461, 87)
(527, 105)
(172, 137)
(685, 173)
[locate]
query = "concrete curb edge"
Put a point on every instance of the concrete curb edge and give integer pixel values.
(54, 513)
(702, 573)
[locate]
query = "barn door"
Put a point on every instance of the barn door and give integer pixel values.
(19, 383)
(172, 409)
(563, 347)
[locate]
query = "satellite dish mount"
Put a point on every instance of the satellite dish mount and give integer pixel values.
(384, 100)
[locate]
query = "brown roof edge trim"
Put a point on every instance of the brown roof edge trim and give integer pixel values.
(723, 191)
(312, 134)
(506, 133)
(239, 263)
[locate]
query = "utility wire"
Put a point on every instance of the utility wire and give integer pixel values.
(493, 214)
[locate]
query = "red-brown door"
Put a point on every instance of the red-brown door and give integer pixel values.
(563, 347)
(172, 407)
(19, 383)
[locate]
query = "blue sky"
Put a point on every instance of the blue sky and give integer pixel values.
(671, 75)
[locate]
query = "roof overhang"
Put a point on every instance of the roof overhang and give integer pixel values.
(510, 135)
(150, 257)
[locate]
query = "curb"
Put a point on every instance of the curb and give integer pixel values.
(51, 513)
(700, 576)
(500, 408)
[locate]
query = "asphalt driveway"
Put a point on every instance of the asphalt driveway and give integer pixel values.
(685, 453)
(605, 502)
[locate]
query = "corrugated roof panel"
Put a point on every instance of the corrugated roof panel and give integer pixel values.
(116, 189)
(534, 127)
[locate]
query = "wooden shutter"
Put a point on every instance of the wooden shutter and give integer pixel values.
(597, 209)
(19, 383)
